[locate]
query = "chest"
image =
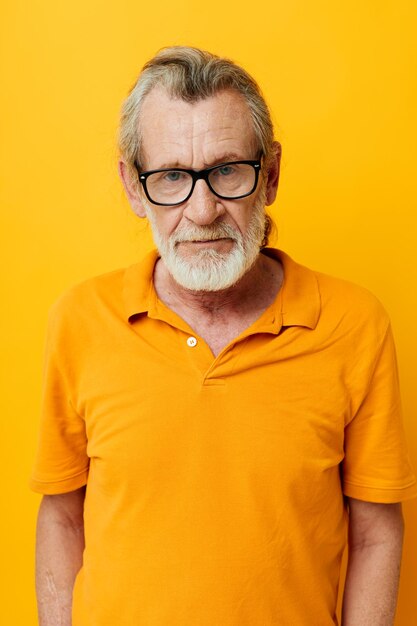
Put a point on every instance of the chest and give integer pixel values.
(239, 436)
(254, 403)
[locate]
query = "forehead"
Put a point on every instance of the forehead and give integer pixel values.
(197, 134)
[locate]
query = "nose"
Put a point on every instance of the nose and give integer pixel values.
(203, 207)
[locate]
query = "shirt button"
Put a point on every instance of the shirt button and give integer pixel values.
(191, 341)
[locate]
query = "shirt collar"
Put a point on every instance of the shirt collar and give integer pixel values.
(137, 285)
(300, 295)
(298, 300)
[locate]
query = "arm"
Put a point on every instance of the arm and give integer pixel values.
(375, 546)
(59, 550)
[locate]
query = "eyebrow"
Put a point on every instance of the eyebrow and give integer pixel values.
(225, 158)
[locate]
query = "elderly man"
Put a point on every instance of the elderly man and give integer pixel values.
(217, 419)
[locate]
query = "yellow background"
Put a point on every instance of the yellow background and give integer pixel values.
(340, 79)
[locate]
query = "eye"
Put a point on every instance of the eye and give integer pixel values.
(173, 176)
(225, 170)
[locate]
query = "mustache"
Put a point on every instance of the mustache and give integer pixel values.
(211, 232)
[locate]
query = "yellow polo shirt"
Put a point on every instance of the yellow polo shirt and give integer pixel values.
(215, 485)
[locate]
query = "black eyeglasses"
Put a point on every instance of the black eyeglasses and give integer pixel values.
(173, 186)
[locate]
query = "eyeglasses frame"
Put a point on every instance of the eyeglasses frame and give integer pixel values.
(197, 175)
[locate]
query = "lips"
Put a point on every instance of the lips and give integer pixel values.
(192, 233)
(204, 240)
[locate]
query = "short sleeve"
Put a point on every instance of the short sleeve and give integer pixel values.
(61, 462)
(376, 467)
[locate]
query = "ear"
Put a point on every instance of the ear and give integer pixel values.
(273, 175)
(131, 187)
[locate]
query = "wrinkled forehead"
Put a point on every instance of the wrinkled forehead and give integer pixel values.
(194, 134)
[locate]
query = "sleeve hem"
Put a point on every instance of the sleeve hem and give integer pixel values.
(380, 495)
(53, 487)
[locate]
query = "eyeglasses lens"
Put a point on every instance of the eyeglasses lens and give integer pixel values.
(228, 180)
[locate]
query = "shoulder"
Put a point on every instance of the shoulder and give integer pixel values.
(348, 298)
(88, 299)
(346, 314)
(111, 295)
(352, 315)
(337, 301)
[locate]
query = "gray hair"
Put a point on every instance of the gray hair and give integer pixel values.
(191, 74)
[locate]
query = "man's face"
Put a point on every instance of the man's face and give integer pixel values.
(207, 243)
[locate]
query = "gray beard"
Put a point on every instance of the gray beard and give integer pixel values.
(209, 270)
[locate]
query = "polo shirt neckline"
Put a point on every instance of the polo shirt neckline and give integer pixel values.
(297, 302)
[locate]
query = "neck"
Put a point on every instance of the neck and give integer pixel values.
(264, 278)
